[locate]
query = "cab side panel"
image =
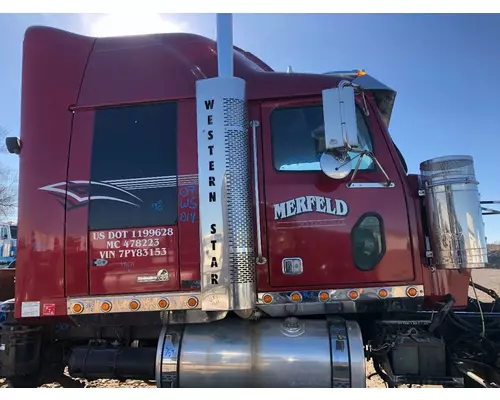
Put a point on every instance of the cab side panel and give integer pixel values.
(77, 213)
(53, 67)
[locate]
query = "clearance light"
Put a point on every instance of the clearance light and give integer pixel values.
(296, 297)
(411, 292)
(106, 306)
(135, 305)
(382, 293)
(324, 296)
(163, 303)
(361, 72)
(353, 294)
(267, 298)
(192, 302)
(77, 308)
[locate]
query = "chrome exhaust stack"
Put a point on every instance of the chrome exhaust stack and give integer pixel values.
(226, 247)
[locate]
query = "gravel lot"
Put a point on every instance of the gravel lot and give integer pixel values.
(489, 278)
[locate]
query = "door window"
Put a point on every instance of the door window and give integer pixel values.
(298, 138)
(368, 241)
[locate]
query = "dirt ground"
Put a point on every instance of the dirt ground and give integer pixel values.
(489, 278)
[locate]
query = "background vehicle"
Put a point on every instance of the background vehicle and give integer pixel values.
(8, 242)
(259, 229)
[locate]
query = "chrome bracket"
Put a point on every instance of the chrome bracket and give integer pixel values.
(353, 185)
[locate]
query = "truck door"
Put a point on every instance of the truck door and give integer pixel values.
(320, 232)
(133, 212)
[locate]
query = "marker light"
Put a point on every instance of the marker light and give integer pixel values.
(134, 305)
(77, 308)
(267, 298)
(192, 302)
(411, 292)
(353, 294)
(106, 306)
(382, 293)
(296, 297)
(163, 303)
(361, 72)
(324, 296)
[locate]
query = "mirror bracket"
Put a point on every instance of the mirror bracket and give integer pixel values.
(362, 153)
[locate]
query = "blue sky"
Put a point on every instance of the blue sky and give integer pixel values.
(444, 68)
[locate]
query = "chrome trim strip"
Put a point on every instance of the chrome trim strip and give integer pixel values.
(335, 295)
(361, 185)
(120, 303)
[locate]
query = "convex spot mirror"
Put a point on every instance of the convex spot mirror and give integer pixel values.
(336, 165)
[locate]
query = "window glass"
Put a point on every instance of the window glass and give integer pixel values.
(368, 242)
(13, 232)
(134, 167)
(297, 146)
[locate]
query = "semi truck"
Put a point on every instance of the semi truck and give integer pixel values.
(8, 242)
(189, 216)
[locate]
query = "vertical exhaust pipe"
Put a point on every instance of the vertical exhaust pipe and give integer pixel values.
(225, 61)
(226, 237)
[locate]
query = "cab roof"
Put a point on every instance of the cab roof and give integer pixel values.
(165, 66)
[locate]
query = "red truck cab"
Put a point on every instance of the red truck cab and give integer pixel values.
(161, 203)
(119, 183)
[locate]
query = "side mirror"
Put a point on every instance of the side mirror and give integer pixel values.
(13, 145)
(340, 130)
(339, 114)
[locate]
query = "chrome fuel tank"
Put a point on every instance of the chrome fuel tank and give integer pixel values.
(454, 217)
(265, 354)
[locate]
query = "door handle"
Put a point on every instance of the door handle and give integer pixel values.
(260, 260)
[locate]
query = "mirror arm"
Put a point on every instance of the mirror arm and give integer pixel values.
(363, 153)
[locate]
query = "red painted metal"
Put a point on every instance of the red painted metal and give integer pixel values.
(76, 256)
(132, 254)
(63, 71)
(189, 228)
(53, 66)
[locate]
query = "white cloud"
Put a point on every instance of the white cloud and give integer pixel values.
(129, 24)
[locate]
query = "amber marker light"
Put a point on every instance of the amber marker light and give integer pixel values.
(267, 298)
(192, 302)
(134, 305)
(163, 303)
(324, 296)
(77, 308)
(353, 294)
(383, 293)
(106, 306)
(361, 72)
(411, 292)
(296, 297)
